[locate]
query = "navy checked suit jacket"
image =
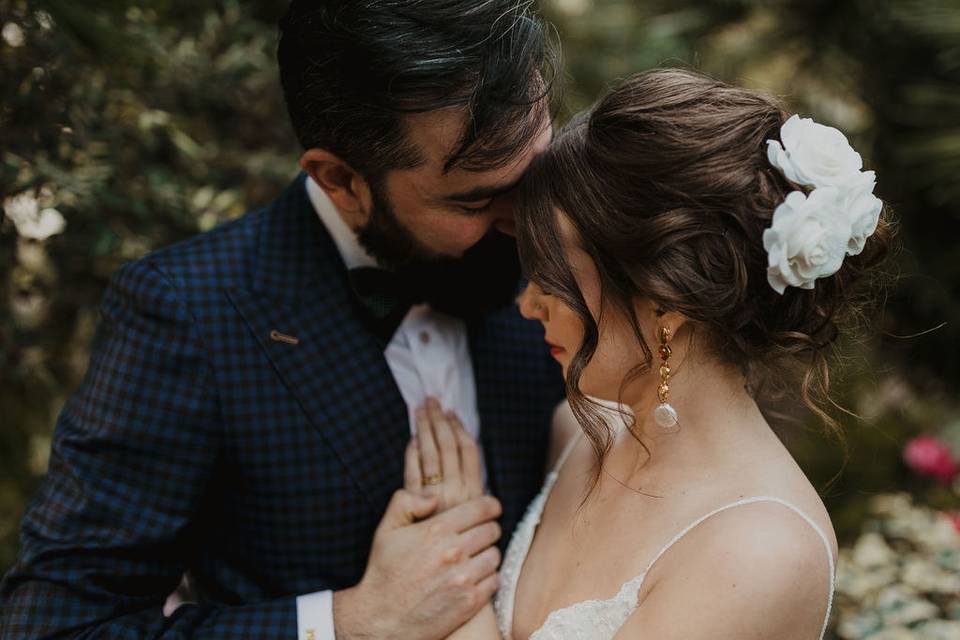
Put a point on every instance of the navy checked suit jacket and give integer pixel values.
(196, 442)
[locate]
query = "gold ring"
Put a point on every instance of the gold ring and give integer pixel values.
(436, 478)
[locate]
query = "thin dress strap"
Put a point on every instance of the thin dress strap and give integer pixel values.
(808, 519)
(566, 451)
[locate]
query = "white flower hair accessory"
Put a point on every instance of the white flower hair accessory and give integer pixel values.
(809, 236)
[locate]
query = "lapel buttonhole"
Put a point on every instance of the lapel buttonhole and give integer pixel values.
(276, 336)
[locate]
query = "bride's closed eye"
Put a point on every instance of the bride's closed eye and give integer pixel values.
(544, 290)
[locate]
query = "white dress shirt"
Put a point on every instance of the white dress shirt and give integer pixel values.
(428, 356)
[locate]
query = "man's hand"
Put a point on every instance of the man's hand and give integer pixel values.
(423, 579)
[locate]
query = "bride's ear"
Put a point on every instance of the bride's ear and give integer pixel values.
(671, 320)
(347, 189)
(658, 317)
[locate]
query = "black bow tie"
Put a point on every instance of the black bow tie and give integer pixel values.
(483, 280)
(386, 297)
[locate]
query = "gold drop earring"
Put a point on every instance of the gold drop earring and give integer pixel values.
(665, 415)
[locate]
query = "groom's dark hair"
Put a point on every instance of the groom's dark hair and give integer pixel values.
(351, 69)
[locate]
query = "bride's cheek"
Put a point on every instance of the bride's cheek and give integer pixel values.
(612, 361)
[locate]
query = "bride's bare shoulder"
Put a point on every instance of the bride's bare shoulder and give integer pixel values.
(757, 570)
(777, 500)
(773, 473)
(773, 527)
(565, 428)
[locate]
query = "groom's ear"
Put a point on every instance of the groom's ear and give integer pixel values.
(347, 189)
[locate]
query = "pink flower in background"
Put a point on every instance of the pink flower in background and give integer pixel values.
(955, 519)
(927, 456)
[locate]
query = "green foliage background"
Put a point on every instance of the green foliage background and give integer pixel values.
(144, 123)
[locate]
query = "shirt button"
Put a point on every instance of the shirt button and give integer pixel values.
(424, 337)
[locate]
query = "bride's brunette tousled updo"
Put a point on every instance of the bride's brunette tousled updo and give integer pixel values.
(667, 186)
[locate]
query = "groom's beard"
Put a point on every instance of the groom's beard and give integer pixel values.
(390, 243)
(485, 278)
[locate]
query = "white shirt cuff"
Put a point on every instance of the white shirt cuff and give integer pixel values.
(315, 616)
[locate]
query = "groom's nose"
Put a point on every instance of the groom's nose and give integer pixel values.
(506, 226)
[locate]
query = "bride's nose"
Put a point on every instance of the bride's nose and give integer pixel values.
(531, 303)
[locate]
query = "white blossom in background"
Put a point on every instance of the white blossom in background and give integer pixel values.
(900, 580)
(573, 7)
(39, 454)
(29, 309)
(13, 35)
(44, 19)
(30, 220)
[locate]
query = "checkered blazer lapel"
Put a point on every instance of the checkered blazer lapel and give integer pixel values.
(335, 369)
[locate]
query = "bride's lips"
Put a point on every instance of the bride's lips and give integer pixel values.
(555, 350)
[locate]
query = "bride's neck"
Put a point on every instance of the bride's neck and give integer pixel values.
(717, 419)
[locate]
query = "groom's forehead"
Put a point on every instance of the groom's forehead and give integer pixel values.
(438, 134)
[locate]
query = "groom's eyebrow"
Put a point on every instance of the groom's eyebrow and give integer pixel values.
(485, 192)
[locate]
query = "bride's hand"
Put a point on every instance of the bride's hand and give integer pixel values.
(443, 460)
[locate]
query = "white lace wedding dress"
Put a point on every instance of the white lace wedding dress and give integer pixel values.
(598, 619)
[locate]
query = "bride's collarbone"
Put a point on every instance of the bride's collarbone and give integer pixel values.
(582, 552)
(588, 549)
(564, 569)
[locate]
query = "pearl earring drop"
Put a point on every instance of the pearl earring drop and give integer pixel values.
(665, 415)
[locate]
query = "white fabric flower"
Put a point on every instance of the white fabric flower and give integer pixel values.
(863, 210)
(807, 239)
(810, 235)
(31, 221)
(814, 155)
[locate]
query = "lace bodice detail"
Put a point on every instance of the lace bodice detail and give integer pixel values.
(598, 619)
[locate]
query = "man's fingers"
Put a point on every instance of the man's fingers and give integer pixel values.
(406, 508)
(446, 444)
(412, 478)
(480, 537)
(488, 586)
(469, 514)
(482, 566)
(469, 457)
(429, 457)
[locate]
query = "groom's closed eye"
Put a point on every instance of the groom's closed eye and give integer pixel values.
(479, 199)
(475, 208)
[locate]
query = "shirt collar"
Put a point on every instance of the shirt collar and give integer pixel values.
(351, 251)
